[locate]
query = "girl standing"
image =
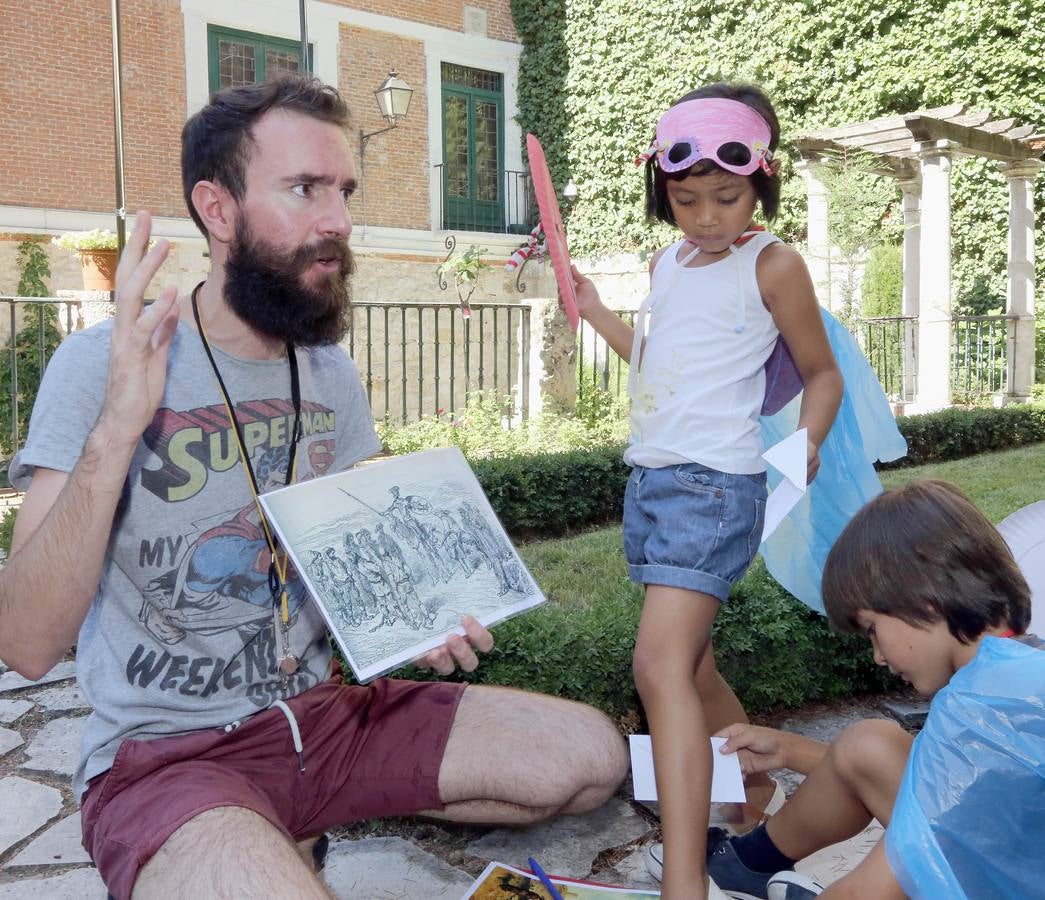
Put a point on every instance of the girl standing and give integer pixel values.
(720, 298)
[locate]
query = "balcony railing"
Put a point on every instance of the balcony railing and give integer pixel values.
(979, 355)
(890, 345)
(512, 211)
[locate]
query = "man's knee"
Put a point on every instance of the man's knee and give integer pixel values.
(600, 771)
(869, 749)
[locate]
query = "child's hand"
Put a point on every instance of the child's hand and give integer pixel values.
(760, 749)
(812, 461)
(588, 299)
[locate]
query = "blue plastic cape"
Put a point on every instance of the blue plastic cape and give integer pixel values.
(864, 431)
(969, 819)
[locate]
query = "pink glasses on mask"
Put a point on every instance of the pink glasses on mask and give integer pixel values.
(727, 132)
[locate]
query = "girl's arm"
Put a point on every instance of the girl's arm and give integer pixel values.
(787, 291)
(611, 327)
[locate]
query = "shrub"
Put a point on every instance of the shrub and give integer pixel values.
(881, 291)
(772, 650)
(955, 433)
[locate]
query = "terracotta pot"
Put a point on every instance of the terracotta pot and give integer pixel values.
(99, 269)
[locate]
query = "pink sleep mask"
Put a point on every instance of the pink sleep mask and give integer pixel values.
(727, 132)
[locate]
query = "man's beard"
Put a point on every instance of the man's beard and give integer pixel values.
(265, 287)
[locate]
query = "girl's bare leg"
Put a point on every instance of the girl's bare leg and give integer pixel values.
(722, 708)
(674, 634)
(857, 781)
(872, 878)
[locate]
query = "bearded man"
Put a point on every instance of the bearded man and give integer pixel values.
(222, 739)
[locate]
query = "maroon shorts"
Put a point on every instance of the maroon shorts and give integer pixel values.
(368, 751)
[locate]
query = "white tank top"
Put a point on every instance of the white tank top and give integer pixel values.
(697, 395)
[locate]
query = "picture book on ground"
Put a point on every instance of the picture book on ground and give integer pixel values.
(396, 551)
(501, 882)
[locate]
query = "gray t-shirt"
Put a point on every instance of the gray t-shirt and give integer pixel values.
(181, 634)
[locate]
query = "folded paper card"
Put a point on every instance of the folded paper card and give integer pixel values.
(727, 781)
(790, 459)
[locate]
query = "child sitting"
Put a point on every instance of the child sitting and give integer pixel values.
(931, 583)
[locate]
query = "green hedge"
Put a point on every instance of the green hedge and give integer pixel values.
(554, 494)
(773, 651)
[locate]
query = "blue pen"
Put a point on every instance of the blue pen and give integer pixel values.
(545, 880)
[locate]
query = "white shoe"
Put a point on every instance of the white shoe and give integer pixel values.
(792, 886)
(655, 866)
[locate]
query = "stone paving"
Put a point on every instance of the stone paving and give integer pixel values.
(41, 856)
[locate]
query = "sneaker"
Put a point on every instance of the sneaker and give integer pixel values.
(730, 877)
(793, 886)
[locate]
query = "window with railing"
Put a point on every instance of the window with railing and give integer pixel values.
(477, 192)
(242, 57)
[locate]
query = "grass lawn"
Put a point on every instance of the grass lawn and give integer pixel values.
(576, 571)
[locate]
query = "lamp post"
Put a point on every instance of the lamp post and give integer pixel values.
(393, 99)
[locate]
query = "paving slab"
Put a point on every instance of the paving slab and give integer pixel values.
(58, 846)
(67, 698)
(567, 845)
(79, 884)
(12, 681)
(13, 709)
(9, 740)
(27, 807)
(390, 868)
(56, 747)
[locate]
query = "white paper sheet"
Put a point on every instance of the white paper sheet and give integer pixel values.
(727, 781)
(788, 457)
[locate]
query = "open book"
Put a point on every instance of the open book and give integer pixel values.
(501, 882)
(395, 552)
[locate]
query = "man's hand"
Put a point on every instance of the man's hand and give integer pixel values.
(140, 339)
(458, 651)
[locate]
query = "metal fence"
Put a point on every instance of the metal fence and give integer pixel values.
(418, 359)
(890, 345)
(979, 355)
(30, 339)
(599, 368)
(513, 210)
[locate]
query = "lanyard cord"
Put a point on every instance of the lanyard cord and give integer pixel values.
(278, 568)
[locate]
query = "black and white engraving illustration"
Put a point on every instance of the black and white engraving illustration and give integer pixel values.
(396, 552)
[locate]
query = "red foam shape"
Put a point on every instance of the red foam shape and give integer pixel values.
(554, 233)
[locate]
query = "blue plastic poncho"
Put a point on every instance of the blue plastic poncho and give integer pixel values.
(969, 819)
(864, 431)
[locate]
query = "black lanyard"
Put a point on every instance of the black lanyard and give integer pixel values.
(277, 572)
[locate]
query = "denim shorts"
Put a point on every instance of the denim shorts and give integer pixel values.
(692, 527)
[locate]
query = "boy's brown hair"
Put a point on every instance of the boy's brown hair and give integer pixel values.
(923, 552)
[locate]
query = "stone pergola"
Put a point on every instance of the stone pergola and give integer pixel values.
(916, 150)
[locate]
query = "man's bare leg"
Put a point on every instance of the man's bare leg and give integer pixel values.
(858, 780)
(722, 708)
(515, 757)
(229, 852)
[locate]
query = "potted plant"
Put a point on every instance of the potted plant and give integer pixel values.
(465, 270)
(98, 256)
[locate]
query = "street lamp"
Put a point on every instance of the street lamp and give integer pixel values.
(393, 99)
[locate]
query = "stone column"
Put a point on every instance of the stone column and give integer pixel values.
(934, 277)
(818, 240)
(551, 353)
(911, 190)
(1019, 296)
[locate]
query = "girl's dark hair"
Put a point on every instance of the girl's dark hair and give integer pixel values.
(921, 553)
(216, 141)
(767, 187)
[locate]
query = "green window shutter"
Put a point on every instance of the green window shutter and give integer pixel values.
(473, 149)
(243, 57)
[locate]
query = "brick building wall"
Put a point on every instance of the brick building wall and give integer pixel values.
(443, 13)
(396, 178)
(57, 127)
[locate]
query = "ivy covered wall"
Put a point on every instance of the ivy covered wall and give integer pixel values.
(596, 74)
